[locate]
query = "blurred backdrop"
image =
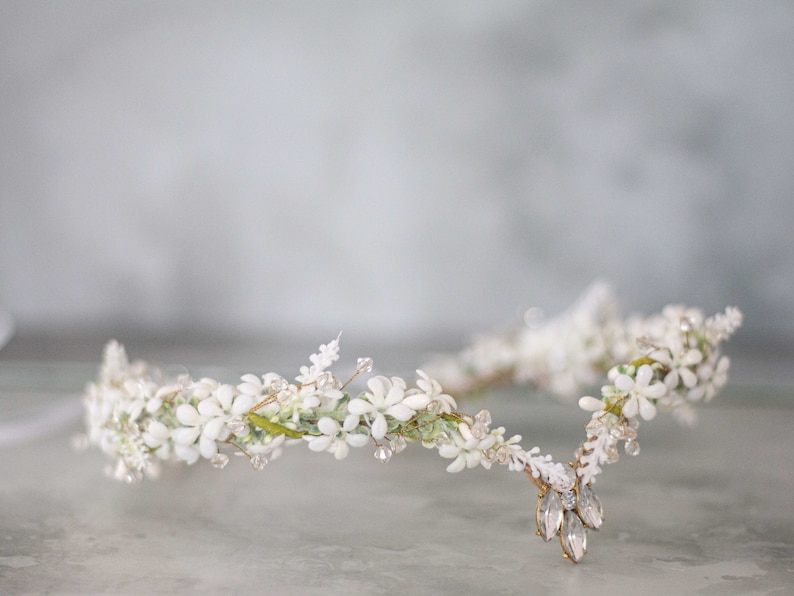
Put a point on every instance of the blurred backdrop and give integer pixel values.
(395, 170)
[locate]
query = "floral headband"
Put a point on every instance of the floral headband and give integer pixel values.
(668, 361)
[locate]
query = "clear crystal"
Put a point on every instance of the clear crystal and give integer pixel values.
(383, 454)
(259, 461)
(324, 381)
(442, 438)
(489, 454)
(568, 499)
(219, 460)
(502, 454)
(629, 433)
(631, 447)
(236, 426)
(398, 444)
(548, 514)
(645, 343)
(687, 324)
(478, 431)
(570, 480)
(278, 384)
(589, 508)
(594, 427)
(612, 454)
(483, 417)
(573, 537)
(184, 381)
(617, 431)
(364, 365)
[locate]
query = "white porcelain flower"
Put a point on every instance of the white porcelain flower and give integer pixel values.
(465, 448)
(336, 438)
(640, 391)
(384, 398)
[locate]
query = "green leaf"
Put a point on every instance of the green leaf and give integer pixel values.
(273, 428)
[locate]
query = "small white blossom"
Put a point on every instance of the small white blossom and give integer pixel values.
(640, 391)
(336, 438)
(385, 398)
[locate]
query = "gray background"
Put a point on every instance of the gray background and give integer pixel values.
(395, 170)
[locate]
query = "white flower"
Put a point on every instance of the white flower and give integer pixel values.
(207, 422)
(711, 378)
(640, 391)
(680, 361)
(435, 394)
(335, 438)
(466, 449)
(385, 398)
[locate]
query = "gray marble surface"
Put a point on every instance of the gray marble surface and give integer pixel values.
(702, 512)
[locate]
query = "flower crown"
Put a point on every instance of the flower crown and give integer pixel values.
(668, 361)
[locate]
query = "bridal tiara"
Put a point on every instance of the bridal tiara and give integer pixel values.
(669, 362)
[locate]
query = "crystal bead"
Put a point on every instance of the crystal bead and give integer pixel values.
(568, 499)
(259, 461)
(645, 343)
(533, 317)
(383, 454)
(687, 324)
(629, 433)
(569, 481)
(442, 438)
(589, 508)
(548, 514)
(573, 537)
(478, 431)
(483, 417)
(502, 454)
(612, 454)
(237, 426)
(489, 454)
(594, 427)
(617, 431)
(398, 444)
(631, 447)
(219, 460)
(324, 381)
(278, 385)
(364, 365)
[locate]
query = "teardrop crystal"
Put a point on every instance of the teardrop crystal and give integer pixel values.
(573, 537)
(549, 514)
(588, 506)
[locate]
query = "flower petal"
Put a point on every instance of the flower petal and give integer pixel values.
(590, 403)
(647, 409)
(644, 375)
(656, 390)
(380, 387)
(207, 447)
(328, 426)
(624, 383)
(186, 435)
(630, 408)
(400, 412)
(242, 403)
(457, 465)
(357, 439)
(214, 429)
(379, 427)
(188, 415)
(359, 406)
(320, 443)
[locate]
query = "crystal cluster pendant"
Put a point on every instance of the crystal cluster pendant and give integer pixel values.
(569, 514)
